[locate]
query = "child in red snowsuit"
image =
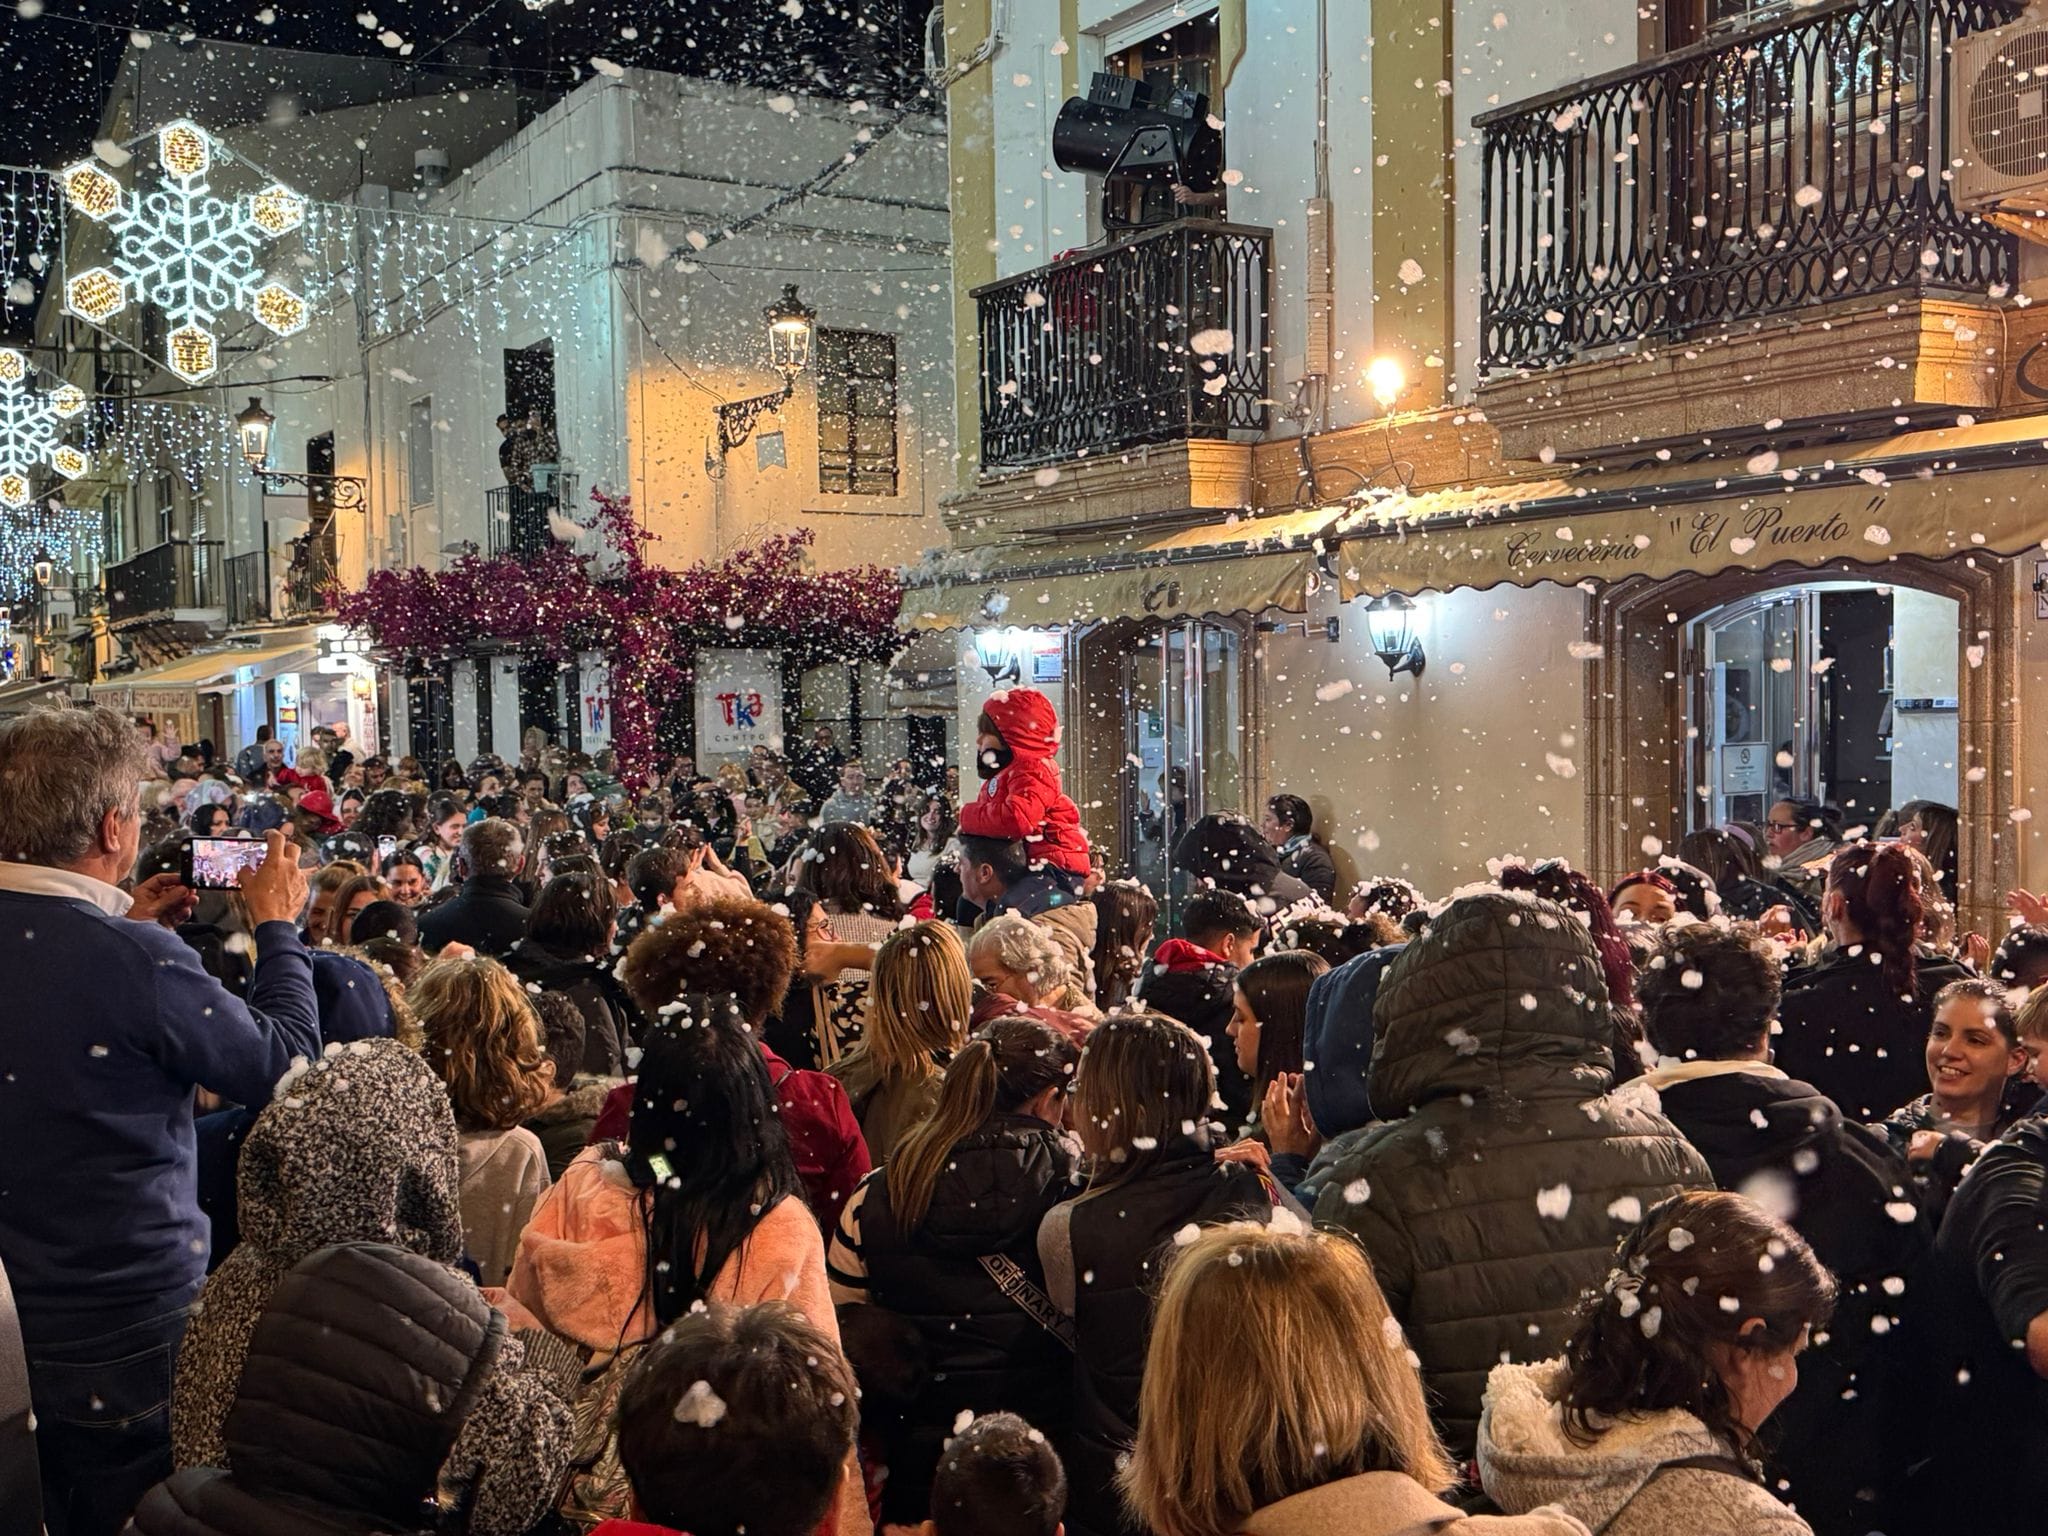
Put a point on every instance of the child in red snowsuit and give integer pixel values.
(1017, 735)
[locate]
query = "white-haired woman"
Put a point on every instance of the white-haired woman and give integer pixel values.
(1021, 969)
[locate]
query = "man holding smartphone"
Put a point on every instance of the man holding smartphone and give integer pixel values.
(112, 1024)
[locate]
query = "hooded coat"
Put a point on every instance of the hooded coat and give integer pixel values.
(359, 1377)
(359, 1146)
(1025, 801)
(1492, 1195)
(1841, 1188)
(608, 1014)
(983, 1351)
(1197, 987)
(1229, 852)
(1526, 1460)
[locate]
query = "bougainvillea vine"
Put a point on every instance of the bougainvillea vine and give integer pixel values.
(647, 620)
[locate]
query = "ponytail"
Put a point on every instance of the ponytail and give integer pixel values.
(1880, 890)
(1003, 1068)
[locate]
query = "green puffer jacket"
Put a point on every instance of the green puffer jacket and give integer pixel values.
(1497, 1198)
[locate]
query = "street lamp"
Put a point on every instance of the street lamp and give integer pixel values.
(791, 324)
(253, 424)
(252, 427)
(1390, 621)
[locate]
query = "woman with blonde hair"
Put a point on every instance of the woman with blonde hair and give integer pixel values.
(484, 1041)
(1320, 1424)
(920, 1002)
(1140, 1106)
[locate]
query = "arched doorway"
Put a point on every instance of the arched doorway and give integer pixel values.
(1651, 688)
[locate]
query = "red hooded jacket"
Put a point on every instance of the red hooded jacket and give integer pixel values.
(1025, 800)
(824, 1137)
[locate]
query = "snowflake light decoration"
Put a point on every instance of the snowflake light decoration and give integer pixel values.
(31, 431)
(185, 250)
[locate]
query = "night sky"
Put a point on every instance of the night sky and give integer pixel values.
(58, 63)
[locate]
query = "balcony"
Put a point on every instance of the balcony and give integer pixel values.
(311, 577)
(248, 588)
(1160, 339)
(1795, 165)
(517, 520)
(179, 581)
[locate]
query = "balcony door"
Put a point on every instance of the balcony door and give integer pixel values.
(1184, 52)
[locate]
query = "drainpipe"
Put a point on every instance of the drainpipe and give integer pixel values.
(1322, 296)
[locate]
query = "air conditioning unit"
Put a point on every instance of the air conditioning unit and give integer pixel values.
(1998, 102)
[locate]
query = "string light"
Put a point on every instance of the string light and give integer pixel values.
(184, 250)
(32, 431)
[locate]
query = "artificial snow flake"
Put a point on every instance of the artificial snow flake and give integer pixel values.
(700, 1406)
(1555, 1202)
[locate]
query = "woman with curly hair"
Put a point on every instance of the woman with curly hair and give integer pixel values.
(484, 1041)
(1649, 1422)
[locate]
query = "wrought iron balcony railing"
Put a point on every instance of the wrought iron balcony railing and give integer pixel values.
(248, 588)
(179, 574)
(1159, 339)
(1797, 163)
(517, 518)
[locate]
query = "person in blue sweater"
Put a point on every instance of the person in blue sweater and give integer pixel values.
(110, 1025)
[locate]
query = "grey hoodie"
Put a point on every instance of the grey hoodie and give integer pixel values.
(1526, 1460)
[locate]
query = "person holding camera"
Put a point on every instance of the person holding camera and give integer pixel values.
(111, 1026)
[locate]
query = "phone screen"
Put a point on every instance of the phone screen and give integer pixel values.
(216, 863)
(386, 846)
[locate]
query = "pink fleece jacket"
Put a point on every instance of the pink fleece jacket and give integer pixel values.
(582, 1260)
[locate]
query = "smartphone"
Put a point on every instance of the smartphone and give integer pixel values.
(216, 863)
(386, 846)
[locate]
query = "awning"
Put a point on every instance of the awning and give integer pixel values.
(27, 693)
(1241, 565)
(251, 665)
(216, 671)
(1930, 493)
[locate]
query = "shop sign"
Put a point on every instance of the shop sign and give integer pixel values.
(739, 703)
(1870, 520)
(1745, 768)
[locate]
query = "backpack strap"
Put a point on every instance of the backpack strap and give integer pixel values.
(1726, 1465)
(1010, 1278)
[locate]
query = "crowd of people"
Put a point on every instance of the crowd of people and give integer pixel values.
(757, 1153)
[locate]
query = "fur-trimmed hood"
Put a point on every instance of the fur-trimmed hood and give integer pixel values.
(1527, 1459)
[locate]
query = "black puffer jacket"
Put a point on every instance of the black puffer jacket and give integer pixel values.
(1845, 1191)
(359, 1378)
(984, 1352)
(1119, 1241)
(609, 1017)
(1497, 1201)
(1855, 1039)
(1983, 1412)
(1201, 996)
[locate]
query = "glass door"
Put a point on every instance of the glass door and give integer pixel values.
(1183, 689)
(1754, 707)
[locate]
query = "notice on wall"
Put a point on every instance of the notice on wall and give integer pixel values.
(739, 704)
(1745, 768)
